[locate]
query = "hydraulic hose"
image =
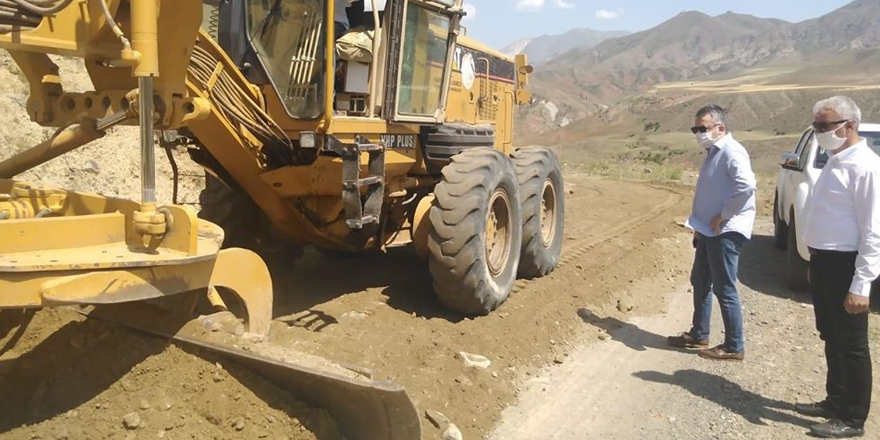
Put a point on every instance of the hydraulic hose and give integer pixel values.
(25, 15)
(233, 102)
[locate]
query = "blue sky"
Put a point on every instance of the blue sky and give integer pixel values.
(501, 22)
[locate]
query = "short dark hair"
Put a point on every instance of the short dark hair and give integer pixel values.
(716, 112)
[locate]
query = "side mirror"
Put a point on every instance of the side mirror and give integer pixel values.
(789, 159)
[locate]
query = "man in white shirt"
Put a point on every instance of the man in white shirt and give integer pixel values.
(843, 235)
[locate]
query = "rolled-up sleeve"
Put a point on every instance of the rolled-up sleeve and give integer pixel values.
(740, 170)
(867, 189)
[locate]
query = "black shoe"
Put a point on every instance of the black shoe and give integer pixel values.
(816, 409)
(836, 429)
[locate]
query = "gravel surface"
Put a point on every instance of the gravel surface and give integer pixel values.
(633, 386)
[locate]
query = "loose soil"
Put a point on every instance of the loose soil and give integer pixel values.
(81, 378)
(632, 385)
(64, 376)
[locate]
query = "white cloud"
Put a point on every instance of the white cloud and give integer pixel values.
(529, 5)
(604, 14)
(471, 11)
(562, 4)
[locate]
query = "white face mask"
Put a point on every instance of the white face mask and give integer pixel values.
(829, 140)
(705, 140)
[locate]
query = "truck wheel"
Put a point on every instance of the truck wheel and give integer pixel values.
(543, 206)
(796, 269)
(240, 218)
(780, 229)
(476, 231)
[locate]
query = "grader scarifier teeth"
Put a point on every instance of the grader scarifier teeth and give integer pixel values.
(67, 248)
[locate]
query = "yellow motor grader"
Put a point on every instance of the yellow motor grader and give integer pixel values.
(387, 127)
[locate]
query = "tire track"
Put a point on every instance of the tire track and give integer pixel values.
(576, 249)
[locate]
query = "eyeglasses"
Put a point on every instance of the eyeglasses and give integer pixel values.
(822, 127)
(701, 129)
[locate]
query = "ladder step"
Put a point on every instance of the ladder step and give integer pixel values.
(365, 220)
(370, 147)
(372, 180)
(360, 183)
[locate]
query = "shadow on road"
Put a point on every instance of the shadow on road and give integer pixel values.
(762, 269)
(82, 361)
(753, 407)
(13, 324)
(627, 333)
(317, 278)
(69, 368)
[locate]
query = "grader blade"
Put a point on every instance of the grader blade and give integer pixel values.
(96, 258)
(363, 408)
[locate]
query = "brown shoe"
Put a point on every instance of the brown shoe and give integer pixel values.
(687, 341)
(719, 353)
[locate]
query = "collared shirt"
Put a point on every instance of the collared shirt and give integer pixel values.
(341, 16)
(726, 187)
(844, 214)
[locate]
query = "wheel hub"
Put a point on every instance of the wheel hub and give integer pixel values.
(499, 233)
(548, 213)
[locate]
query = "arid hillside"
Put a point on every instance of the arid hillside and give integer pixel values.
(609, 81)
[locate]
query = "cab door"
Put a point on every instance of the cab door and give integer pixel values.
(421, 42)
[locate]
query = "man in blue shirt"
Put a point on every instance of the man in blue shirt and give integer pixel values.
(722, 218)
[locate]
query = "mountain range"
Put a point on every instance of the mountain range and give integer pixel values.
(546, 47)
(587, 80)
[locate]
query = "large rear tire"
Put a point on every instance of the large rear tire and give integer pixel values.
(476, 231)
(542, 192)
(780, 229)
(242, 220)
(796, 267)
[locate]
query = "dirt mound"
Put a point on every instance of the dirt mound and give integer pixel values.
(66, 377)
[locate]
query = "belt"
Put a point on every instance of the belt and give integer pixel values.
(814, 251)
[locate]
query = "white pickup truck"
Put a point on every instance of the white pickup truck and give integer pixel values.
(794, 187)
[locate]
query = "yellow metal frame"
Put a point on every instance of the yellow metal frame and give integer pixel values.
(171, 27)
(88, 252)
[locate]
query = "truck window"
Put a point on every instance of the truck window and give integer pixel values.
(424, 61)
(288, 36)
(871, 137)
(801, 150)
(805, 147)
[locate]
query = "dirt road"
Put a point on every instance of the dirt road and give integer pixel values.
(579, 353)
(633, 386)
(375, 311)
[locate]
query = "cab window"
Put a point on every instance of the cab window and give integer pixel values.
(288, 38)
(424, 61)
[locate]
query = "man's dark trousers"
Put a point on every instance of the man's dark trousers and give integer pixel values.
(847, 354)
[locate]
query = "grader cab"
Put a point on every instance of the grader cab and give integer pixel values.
(383, 128)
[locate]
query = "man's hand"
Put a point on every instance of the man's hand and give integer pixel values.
(694, 240)
(855, 304)
(716, 224)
